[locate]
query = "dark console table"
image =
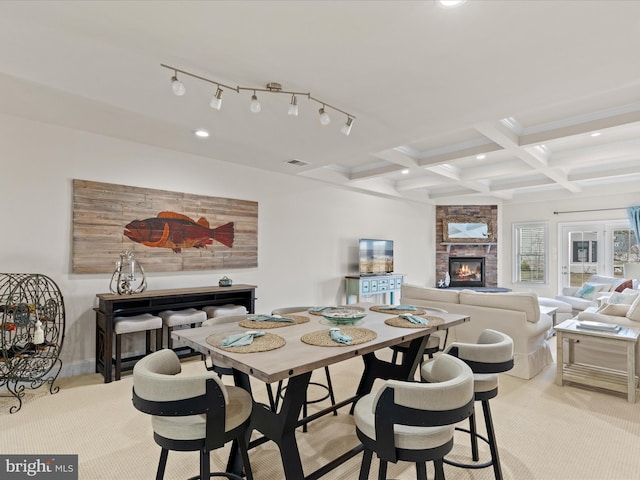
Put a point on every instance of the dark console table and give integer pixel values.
(154, 301)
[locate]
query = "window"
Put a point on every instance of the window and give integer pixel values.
(530, 253)
(625, 249)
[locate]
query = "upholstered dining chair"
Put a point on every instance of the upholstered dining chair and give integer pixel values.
(191, 412)
(491, 355)
(433, 343)
(328, 386)
(414, 421)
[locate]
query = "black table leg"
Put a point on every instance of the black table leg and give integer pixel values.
(276, 426)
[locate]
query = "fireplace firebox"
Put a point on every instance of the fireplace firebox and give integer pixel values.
(466, 272)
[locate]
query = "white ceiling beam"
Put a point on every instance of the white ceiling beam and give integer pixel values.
(375, 172)
(580, 128)
(395, 156)
(458, 154)
(499, 133)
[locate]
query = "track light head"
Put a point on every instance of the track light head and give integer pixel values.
(346, 128)
(324, 117)
(177, 86)
(255, 104)
(216, 100)
(293, 106)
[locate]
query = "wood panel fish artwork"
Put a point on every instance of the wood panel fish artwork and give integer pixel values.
(160, 227)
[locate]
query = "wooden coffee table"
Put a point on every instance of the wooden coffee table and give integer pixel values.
(593, 375)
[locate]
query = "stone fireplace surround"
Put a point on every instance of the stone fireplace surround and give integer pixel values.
(464, 249)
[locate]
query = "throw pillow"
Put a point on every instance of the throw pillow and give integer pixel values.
(617, 310)
(588, 290)
(624, 285)
(626, 298)
(634, 310)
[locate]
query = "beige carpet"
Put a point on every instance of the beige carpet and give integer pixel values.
(544, 432)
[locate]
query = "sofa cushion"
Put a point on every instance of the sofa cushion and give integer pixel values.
(634, 310)
(429, 293)
(623, 298)
(617, 310)
(588, 290)
(611, 282)
(519, 301)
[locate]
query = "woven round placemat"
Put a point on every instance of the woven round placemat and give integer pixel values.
(404, 323)
(376, 308)
(345, 307)
(267, 342)
(322, 338)
(266, 324)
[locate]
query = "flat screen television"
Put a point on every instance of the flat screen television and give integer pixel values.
(376, 256)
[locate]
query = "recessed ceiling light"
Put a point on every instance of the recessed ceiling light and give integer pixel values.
(201, 133)
(404, 171)
(595, 134)
(482, 156)
(451, 3)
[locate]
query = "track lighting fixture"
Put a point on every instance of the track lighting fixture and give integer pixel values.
(216, 101)
(179, 89)
(293, 106)
(325, 119)
(177, 86)
(346, 128)
(255, 103)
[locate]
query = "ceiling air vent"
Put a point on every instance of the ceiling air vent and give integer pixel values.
(297, 163)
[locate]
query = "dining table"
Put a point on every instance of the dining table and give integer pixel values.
(296, 357)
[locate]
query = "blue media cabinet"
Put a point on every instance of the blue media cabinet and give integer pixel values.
(367, 285)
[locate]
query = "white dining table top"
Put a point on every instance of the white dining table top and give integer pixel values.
(297, 357)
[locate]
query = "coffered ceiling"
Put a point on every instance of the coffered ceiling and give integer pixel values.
(491, 101)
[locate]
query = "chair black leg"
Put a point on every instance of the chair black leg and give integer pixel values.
(495, 459)
(330, 388)
(473, 437)
(439, 466)
(382, 471)
(366, 464)
(159, 339)
(421, 471)
(169, 339)
(242, 447)
(205, 466)
(394, 357)
(304, 411)
(147, 342)
(118, 356)
(272, 401)
(162, 464)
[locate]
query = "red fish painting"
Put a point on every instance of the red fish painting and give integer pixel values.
(176, 231)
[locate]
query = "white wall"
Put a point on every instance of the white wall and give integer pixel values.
(307, 231)
(544, 212)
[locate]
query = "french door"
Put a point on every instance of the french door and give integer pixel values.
(595, 248)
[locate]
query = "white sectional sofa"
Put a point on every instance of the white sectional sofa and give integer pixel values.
(515, 314)
(586, 296)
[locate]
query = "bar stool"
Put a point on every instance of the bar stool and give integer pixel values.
(432, 346)
(176, 318)
(136, 323)
(224, 369)
(214, 311)
(492, 354)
